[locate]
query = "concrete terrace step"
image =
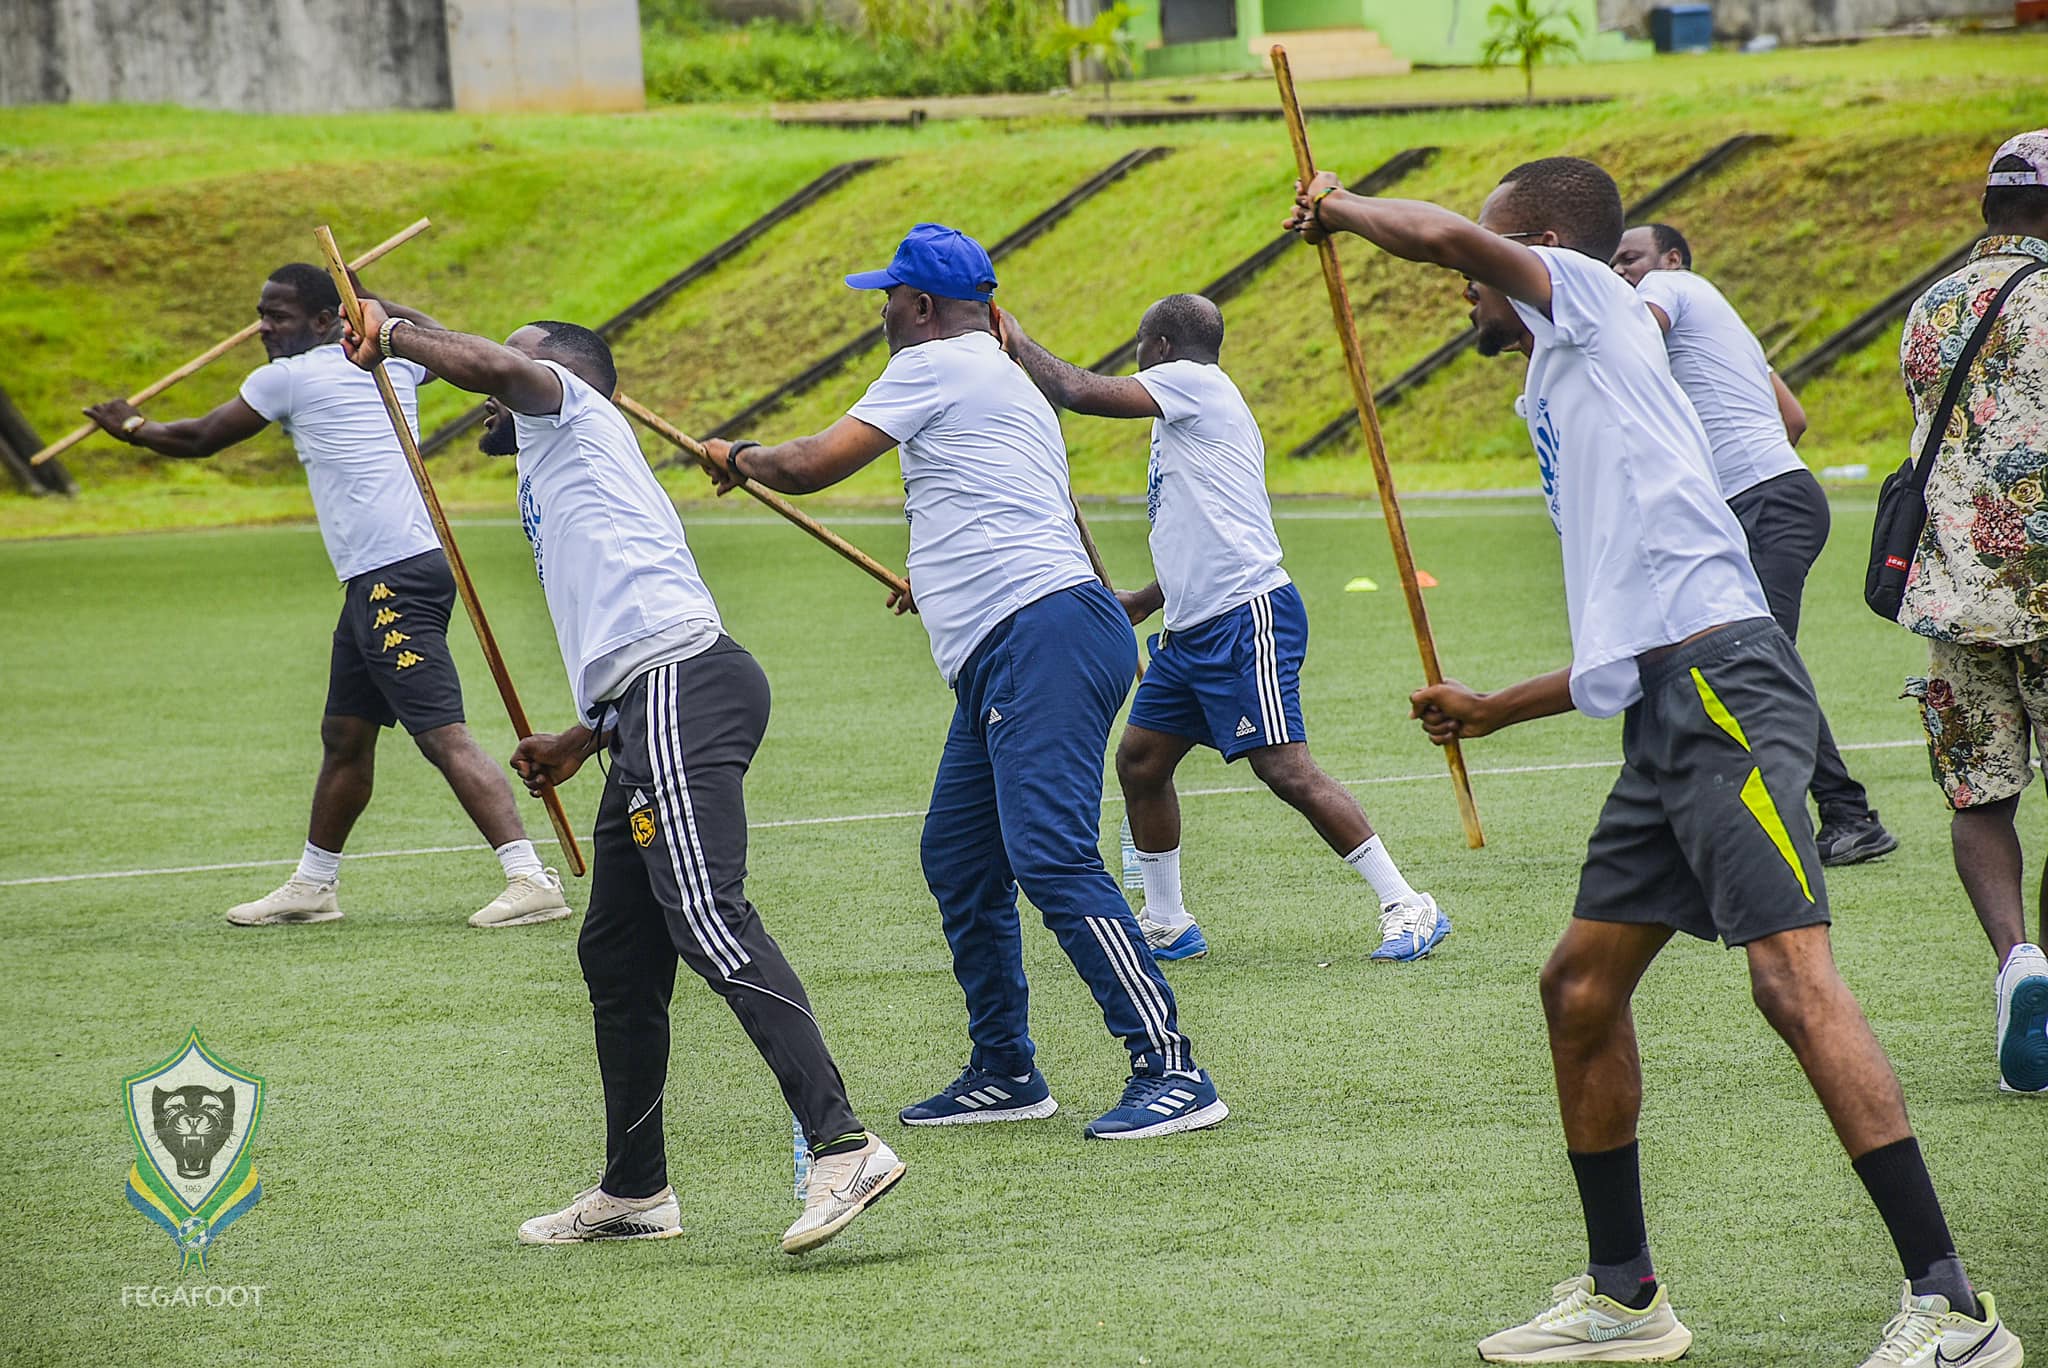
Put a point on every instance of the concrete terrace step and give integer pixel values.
(1332, 54)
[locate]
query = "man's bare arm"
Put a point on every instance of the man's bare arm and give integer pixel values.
(1789, 408)
(1067, 386)
(476, 364)
(1450, 712)
(188, 438)
(802, 465)
(1416, 230)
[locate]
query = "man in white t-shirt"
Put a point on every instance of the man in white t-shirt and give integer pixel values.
(1226, 672)
(682, 708)
(1039, 657)
(390, 661)
(1752, 422)
(1706, 830)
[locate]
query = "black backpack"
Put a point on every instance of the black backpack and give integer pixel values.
(1902, 502)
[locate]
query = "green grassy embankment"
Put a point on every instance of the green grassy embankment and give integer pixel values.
(128, 236)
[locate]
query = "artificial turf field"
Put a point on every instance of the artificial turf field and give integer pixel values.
(1389, 1187)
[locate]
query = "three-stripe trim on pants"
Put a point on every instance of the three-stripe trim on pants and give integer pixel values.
(1266, 668)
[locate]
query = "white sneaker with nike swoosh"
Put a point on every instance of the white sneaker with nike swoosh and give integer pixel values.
(841, 1187)
(597, 1215)
(1582, 1326)
(1926, 1334)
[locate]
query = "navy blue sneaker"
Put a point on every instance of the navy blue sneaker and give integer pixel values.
(977, 1096)
(1160, 1104)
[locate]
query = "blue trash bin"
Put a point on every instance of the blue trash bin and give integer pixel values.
(1682, 28)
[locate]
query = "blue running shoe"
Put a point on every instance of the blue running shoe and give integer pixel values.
(1160, 1104)
(1169, 944)
(977, 1096)
(2023, 1022)
(1411, 928)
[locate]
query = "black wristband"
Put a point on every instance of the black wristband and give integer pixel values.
(732, 457)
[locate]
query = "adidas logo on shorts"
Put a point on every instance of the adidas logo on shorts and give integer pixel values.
(639, 801)
(1245, 727)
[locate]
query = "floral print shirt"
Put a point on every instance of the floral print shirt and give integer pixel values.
(1981, 574)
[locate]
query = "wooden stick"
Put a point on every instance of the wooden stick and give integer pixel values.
(217, 350)
(1101, 570)
(661, 426)
(484, 637)
(1376, 446)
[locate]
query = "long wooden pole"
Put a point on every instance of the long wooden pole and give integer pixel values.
(217, 350)
(1376, 446)
(1101, 570)
(353, 307)
(662, 427)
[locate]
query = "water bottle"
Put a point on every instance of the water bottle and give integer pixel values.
(1134, 873)
(803, 1157)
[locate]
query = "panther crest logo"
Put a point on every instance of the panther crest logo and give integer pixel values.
(641, 824)
(193, 1122)
(192, 1118)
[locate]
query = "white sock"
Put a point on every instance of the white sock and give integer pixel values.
(519, 858)
(317, 866)
(1372, 861)
(1161, 869)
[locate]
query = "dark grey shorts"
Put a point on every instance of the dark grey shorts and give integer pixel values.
(1706, 829)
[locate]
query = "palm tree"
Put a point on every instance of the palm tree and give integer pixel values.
(1521, 34)
(1104, 43)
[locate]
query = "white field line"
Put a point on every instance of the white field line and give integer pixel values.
(1108, 800)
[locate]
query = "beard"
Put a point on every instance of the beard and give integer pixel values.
(499, 439)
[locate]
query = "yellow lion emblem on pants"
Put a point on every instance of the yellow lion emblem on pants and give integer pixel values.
(641, 824)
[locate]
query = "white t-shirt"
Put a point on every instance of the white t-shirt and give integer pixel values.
(984, 486)
(1721, 367)
(1652, 553)
(370, 511)
(608, 547)
(1213, 544)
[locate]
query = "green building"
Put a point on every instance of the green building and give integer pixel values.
(1333, 38)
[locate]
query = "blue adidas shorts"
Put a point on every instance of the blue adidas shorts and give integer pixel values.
(1233, 682)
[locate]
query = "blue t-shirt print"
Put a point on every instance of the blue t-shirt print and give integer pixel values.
(529, 523)
(1547, 450)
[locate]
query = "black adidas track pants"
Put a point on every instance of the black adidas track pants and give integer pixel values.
(669, 882)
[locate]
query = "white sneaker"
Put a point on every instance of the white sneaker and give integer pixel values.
(841, 1187)
(527, 899)
(2023, 1022)
(297, 901)
(1926, 1333)
(1582, 1326)
(1411, 928)
(597, 1215)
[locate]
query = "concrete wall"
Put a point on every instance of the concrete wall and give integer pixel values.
(1796, 19)
(319, 56)
(545, 54)
(297, 56)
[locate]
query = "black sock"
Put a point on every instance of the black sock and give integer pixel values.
(1896, 1176)
(1618, 1246)
(845, 1144)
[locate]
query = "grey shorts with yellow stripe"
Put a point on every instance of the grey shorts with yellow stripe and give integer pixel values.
(1706, 829)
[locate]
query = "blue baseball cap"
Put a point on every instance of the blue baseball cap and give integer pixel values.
(938, 260)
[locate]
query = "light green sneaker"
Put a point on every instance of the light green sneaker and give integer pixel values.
(1926, 1333)
(1582, 1326)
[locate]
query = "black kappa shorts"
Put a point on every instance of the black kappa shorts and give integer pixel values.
(391, 661)
(1706, 829)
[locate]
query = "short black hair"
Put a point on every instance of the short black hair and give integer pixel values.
(1571, 197)
(2015, 203)
(1669, 239)
(1191, 322)
(582, 351)
(313, 287)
